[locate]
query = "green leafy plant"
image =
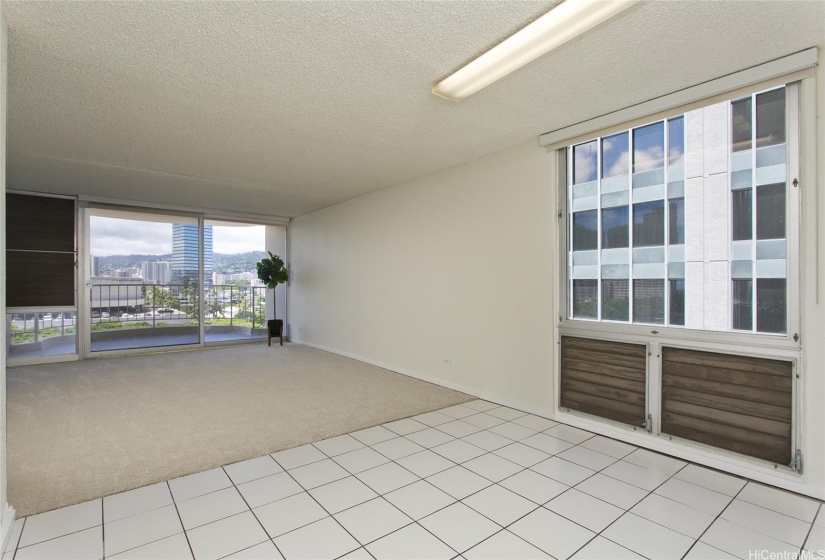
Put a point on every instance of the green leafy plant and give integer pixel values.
(272, 272)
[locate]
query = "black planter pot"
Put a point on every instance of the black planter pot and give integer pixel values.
(274, 329)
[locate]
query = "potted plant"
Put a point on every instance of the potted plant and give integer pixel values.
(272, 272)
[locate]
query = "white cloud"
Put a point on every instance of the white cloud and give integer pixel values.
(112, 236)
(240, 239)
(651, 158)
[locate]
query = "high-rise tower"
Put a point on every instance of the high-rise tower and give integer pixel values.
(185, 254)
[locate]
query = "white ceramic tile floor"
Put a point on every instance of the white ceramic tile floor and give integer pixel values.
(419, 499)
(458, 429)
(397, 448)
(483, 420)
(253, 469)
(62, 522)
(430, 437)
(447, 484)
(372, 520)
(361, 460)
(521, 454)
(211, 507)
(460, 526)
(502, 546)
(458, 451)
(138, 530)
(342, 494)
(513, 431)
(338, 445)
(587, 511)
(139, 500)
(269, 489)
(458, 411)
(199, 484)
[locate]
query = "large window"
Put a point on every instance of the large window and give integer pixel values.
(685, 232)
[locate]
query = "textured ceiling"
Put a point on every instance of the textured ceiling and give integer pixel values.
(282, 108)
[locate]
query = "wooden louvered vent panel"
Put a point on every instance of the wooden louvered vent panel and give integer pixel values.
(738, 403)
(603, 378)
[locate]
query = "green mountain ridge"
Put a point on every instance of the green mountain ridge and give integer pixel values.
(221, 263)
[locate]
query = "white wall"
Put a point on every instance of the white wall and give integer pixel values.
(457, 264)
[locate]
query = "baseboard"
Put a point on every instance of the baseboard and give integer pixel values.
(6, 527)
(408, 373)
(545, 413)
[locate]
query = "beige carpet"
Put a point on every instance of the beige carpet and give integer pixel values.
(82, 430)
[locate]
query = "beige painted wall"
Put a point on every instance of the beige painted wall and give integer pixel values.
(454, 265)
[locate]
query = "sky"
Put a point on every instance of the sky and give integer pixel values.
(114, 236)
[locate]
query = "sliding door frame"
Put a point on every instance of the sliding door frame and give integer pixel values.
(85, 211)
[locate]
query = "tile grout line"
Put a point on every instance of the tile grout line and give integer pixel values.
(325, 511)
(57, 537)
(182, 526)
(252, 511)
(103, 528)
(627, 511)
(766, 508)
(19, 538)
(788, 492)
(424, 479)
(810, 529)
(715, 519)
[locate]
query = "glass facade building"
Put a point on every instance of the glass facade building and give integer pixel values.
(683, 222)
(185, 254)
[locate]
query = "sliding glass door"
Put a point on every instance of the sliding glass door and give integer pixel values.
(144, 281)
(235, 304)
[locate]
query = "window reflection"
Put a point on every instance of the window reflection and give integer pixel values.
(676, 218)
(770, 308)
(615, 228)
(676, 141)
(649, 224)
(586, 299)
(649, 147)
(615, 155)
(584, 163)
(677, 302)
(615, 300)
(770, 118)
(742, 214)
(649, 301)
(742, 304)
(770, 211)
(741, 124)
(585, 230)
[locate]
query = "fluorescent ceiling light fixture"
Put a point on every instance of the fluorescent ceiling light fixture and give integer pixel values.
(567, 20)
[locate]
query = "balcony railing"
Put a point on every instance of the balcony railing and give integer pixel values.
(117, 307)
(177, 305)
